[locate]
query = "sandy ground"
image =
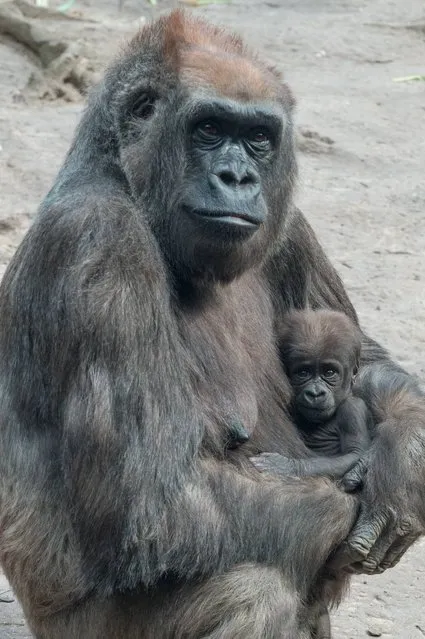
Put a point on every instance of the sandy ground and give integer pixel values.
(362, 186)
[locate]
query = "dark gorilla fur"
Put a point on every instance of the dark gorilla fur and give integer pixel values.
(140, 318)
(321, 354)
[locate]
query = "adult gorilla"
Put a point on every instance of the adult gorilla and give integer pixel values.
(140, 321)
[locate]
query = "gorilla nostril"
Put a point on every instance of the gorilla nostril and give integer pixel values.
(247, 179)
(228, 178)
(233, 179)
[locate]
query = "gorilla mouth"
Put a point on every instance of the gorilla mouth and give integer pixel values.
(317, 407)
(321, 410)
(229, 218)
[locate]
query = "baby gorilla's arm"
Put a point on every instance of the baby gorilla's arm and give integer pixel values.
(352, 423)
(334, 467)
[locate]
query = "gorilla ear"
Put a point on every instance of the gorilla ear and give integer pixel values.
(357, 356)
(144, 106)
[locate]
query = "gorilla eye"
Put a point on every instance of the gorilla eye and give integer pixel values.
(330, 372)
(302, 374)
(208, 129)
(259, 136)
(144, 106)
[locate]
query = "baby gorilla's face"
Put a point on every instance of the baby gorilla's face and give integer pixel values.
(319, 387)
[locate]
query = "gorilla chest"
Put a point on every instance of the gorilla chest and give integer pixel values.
(325, 439)
(232, 351)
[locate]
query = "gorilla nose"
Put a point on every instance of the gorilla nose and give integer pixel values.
(234, 198)
(313, 395)
(231, 180)
(237, 178)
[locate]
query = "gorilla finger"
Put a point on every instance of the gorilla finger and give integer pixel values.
(345, 557)
(259, 463)
(354, 478)
(397, 550)
(384, 554)
(366, 533)
(372, 562)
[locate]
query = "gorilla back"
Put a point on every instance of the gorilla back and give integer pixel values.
(137, 315)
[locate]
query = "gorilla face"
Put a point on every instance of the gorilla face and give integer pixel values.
(229, 152)
(213, 175)
(226, 203)
(319, 387)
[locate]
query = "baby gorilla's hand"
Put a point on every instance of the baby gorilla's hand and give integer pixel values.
(275, 464)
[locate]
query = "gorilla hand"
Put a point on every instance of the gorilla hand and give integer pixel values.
(276, 464)
(392, 514)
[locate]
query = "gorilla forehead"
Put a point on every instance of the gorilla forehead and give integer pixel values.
(198, 54)
(229, 75)
(320, 334)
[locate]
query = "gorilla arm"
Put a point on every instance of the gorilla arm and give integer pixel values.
(351, 422)
(333, 467)
(393, 470)
(110, 410)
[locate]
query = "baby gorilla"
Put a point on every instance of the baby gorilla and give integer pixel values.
(321, 351)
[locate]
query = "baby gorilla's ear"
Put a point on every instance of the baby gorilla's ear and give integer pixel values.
(357, 355)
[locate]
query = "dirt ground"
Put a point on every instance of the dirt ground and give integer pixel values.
(362, 161)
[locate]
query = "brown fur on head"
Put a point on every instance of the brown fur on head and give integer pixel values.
(204, 55)
(320, 333)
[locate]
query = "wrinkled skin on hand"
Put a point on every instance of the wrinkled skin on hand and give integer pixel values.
(276, 464)
(390, 481)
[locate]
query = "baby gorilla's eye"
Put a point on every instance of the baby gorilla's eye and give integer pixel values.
(330, 373)
(303, 373)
